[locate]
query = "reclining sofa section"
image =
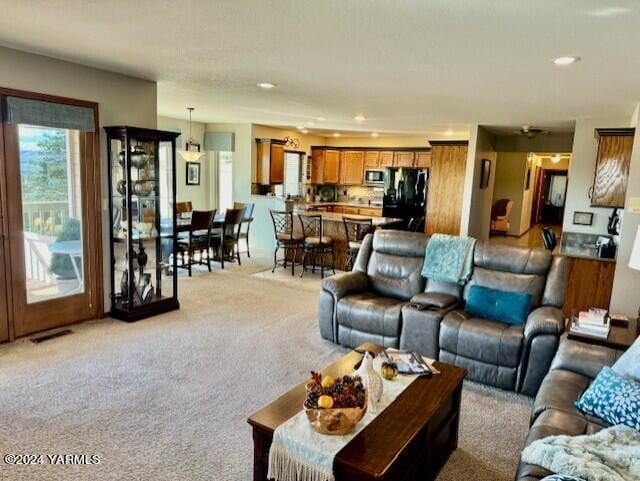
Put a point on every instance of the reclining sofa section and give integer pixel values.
(373, 303)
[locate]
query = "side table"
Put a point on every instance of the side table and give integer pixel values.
(621, 335)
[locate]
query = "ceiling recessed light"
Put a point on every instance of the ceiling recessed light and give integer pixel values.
(304, 131)
(359, 118)
(336, 134)
(300, 127)
(561, 61)
(266, 85)
(374, 134)
(309, 123)
(321, 119)
(448, 132)
(555, 159)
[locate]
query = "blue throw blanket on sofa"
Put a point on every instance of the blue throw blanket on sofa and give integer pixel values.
(449, 258)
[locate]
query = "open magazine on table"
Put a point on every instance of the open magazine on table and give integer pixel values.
(407, 362)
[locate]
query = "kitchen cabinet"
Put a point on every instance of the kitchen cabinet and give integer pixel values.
(350, 210)
(270, 161)
(325, 166)
(590, 284)
(371, 211)
(317, 166)
(423, 160)
(612, 167)
(372, 159)
(346, 165)
(386, 158)
(403, 159)
(331, 169)
(351, 167)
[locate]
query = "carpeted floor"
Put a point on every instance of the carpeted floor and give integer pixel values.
(167, 398)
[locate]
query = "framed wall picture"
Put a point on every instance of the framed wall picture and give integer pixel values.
(527, 177)
(485, 173)
(193, 173)
(583, 218)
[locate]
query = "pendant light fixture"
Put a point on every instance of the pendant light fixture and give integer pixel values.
(191, 154)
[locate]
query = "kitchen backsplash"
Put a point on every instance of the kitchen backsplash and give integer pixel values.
(355, 192)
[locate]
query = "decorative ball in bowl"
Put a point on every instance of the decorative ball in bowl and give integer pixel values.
(335, 406)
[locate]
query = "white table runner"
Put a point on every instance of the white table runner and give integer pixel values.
(299, 453)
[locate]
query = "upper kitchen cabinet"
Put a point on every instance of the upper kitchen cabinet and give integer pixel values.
(270, 161)
(423, 160)
(386, 159)
(612, 167)
(352, 167)
(325, 166)
(372, 159)
(403, 159)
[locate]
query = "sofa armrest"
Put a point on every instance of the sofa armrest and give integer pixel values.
(346, 283)
(583, 358)
(544, 320)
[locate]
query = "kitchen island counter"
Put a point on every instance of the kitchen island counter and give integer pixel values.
(333, 226)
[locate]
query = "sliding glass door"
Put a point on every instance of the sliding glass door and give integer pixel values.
(51, 210)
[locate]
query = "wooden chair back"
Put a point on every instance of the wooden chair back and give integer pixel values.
(232, 223)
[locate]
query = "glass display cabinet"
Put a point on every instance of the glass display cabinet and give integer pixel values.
(142, 201)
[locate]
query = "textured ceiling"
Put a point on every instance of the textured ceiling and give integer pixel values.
(413, 66)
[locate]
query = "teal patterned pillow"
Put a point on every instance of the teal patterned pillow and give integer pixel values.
(612, 398)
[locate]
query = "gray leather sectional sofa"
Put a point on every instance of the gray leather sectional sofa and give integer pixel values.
(573, 369)
(373, 303)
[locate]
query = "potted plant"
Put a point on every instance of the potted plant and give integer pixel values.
(61, 265)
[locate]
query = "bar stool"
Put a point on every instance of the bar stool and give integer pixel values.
(315, 243)
(355, 229)
(286, 237)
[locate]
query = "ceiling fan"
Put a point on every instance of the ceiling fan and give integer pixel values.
(531, 132)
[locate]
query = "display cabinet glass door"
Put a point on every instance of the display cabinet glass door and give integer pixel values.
(142, 209)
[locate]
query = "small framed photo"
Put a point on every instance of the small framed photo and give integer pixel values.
(583, 218)
(193, 173)
(485, 173)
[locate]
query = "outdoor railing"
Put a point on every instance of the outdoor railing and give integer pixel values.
(45, 218)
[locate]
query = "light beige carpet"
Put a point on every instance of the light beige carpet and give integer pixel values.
(167, 398)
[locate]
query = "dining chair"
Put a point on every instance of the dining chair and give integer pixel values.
(287, 238)
(355, 229)
(225, 240)
(246, 221)
(198, 239)
(315, 243)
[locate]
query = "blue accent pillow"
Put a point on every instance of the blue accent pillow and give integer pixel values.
(612, 398)
(505, 306)
(629, 363)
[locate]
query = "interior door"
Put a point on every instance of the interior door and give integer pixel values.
(52, 227)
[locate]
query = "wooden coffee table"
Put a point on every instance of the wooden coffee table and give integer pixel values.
(410, 440)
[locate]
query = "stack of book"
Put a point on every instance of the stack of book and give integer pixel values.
(594, 322)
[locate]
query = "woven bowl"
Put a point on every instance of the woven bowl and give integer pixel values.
(336, 421)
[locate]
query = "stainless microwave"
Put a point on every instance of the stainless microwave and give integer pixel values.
(374, 177)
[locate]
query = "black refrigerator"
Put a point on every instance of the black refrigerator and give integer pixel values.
(405, 196)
